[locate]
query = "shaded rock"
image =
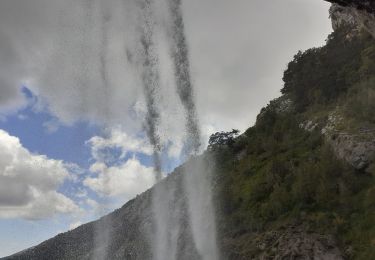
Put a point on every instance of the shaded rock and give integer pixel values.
(364, 5)
(358, 150)
(295, 243)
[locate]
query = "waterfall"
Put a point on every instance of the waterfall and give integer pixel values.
(104, 53)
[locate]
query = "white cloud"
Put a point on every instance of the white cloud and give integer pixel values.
(75, 224)
(94, 205)
(113, 175)
(29, 182)
(125, 181)
(51, 126)
(116, 138)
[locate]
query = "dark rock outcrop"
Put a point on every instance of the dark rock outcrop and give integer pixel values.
(357, 149)
(366, 5)
(358, 13)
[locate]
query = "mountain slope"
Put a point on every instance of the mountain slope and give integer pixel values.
(308, 163)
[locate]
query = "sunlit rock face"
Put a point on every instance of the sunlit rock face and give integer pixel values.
(360, 13)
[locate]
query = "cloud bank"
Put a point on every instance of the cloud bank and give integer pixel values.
(116, 172)
(125, 181)
(29, 183)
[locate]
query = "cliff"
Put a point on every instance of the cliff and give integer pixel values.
(361, 13)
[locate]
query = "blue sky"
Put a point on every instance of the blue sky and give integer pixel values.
(68, 143)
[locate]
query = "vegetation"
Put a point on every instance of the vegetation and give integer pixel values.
(222, 138)
(286, 174)
(320, 75)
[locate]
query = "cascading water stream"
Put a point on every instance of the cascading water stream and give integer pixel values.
(196, 175)
(96, 47)
(196, 178)
(163, 246)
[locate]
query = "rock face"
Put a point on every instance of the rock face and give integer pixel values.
(357, 13)
(357, 149)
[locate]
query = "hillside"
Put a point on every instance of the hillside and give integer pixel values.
(299, 184)
(308, 163)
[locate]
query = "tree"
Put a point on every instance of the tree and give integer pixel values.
(222, 138)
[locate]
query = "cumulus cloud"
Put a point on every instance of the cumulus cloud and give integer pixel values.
(116, 138)
(114, 175)
(29, 182)
(74, 225)
(125, 181)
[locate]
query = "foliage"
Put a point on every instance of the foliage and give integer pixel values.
(222, 138)
(360, 102)
(286, 174)
(320, 75)
(290, 174)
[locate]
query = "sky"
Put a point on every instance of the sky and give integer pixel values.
(72, 110)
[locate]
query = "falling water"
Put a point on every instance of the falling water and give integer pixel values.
(180, 56)
(196, 177)
(151, 82)
(197, 174)
(97, 52)
(164, 244)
